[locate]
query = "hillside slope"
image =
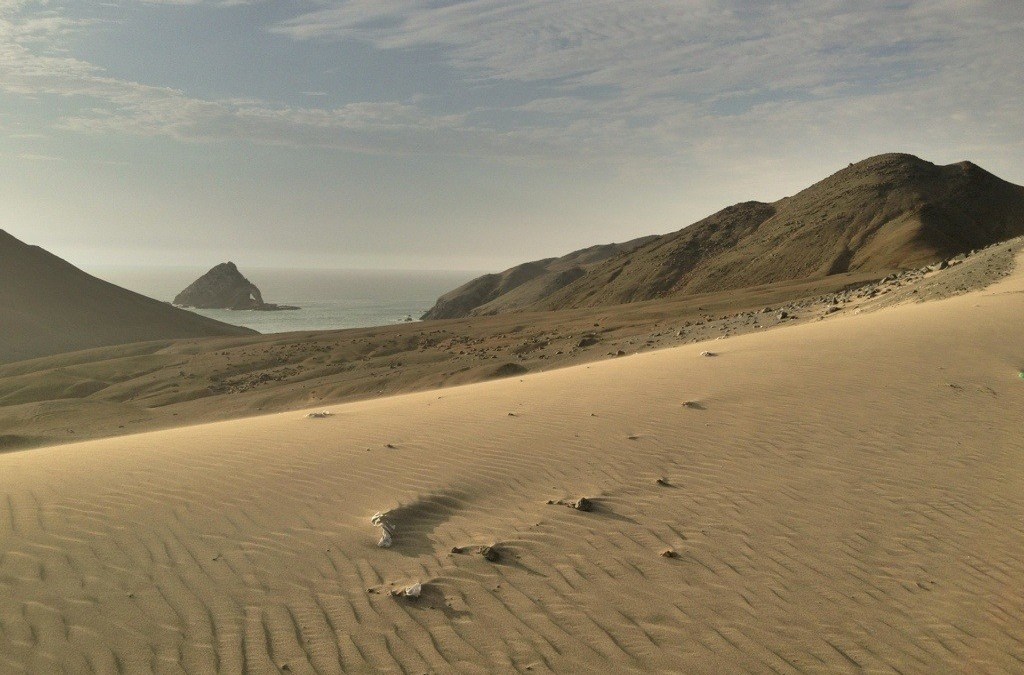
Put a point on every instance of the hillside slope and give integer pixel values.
(892, 211)
(48, 306)
(524, 285)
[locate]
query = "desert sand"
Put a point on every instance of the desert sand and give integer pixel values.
(841, 495)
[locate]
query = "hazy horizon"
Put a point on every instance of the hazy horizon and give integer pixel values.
(467, 135)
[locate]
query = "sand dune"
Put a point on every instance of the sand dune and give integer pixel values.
(844, 495)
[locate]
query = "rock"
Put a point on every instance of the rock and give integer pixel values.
(708, 354)
(412, 592)
(588, 341)
(669, 553)
(489, 553)
(582, 504)
(782, 315)
(224, 287)
(387, 529)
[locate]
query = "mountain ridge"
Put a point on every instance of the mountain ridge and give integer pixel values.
(887, 212)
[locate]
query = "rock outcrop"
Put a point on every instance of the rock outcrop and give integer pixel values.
(224, 287)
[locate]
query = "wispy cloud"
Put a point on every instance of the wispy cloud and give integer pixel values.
(662, 69)
(645, 79)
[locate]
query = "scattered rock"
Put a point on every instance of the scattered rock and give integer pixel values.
(782, 315)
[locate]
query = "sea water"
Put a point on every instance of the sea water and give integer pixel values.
(328, 299)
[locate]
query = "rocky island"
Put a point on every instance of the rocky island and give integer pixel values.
(224, 287)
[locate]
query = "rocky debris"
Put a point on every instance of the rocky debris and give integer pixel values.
(580, 504)
(224, 287)
(489, 553)
(412, 591)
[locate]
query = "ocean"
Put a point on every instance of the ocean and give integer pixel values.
(329, 299)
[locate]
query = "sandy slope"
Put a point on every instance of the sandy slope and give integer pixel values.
(845, 495)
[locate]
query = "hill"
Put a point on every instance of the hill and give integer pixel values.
(892, 211)
(524, 285)
(49, 306)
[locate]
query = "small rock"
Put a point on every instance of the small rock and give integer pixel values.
(662, 481)
(489, 553)
(582, 504)
(669, 553)
(412, 592)
(708, 354)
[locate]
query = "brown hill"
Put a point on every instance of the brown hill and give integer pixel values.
(892, 211)
(48, 306)
(524, 285)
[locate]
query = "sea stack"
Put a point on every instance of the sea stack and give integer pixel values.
(224, 287)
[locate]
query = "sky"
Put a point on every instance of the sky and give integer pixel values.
(468, 134)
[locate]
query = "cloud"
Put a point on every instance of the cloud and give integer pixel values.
(665, 81)
(666, 70)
